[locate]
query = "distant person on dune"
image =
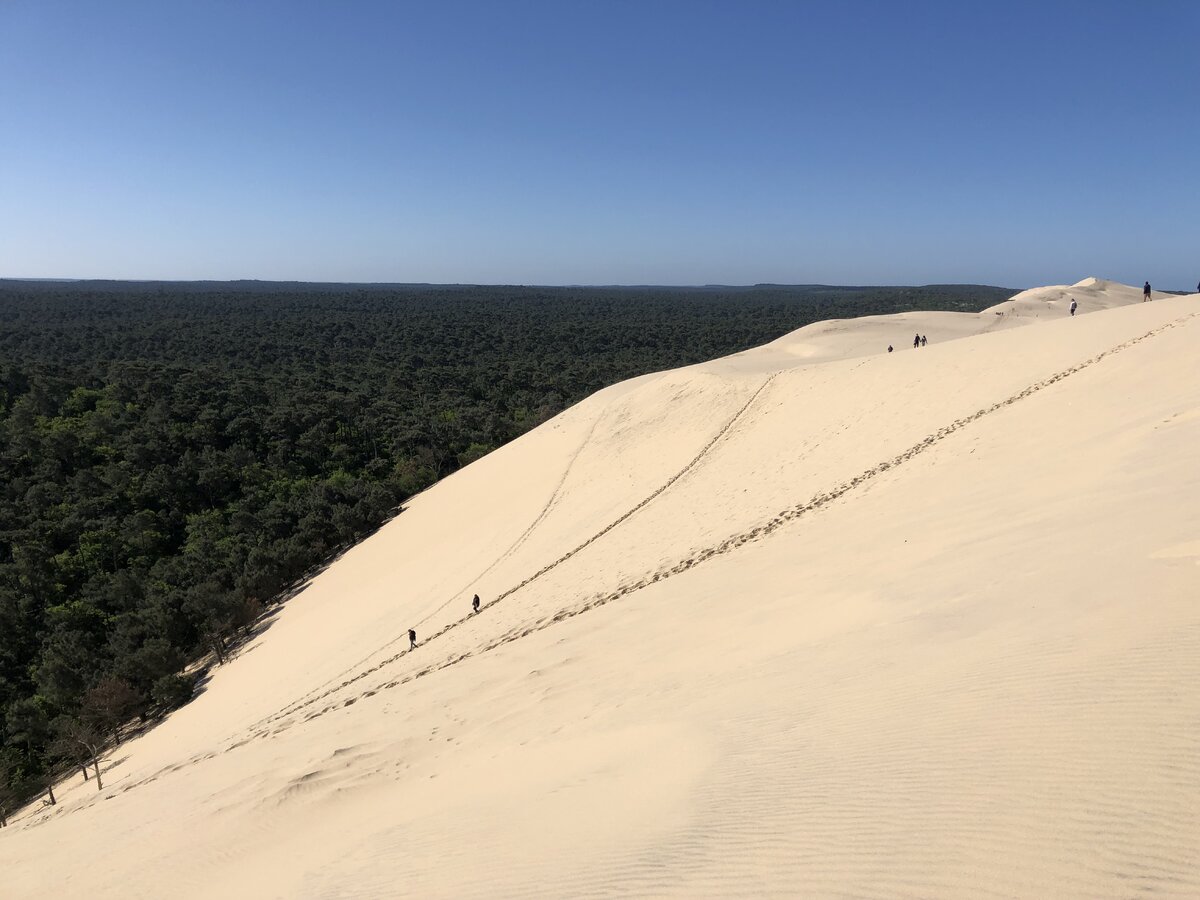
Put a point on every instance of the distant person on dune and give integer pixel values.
(916, 341)
(1146, 292)
(475, 603)
(924, 340)
(1073, 305)
(889, 348)
(412, 639)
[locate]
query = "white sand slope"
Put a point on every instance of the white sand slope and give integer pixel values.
(811, 620)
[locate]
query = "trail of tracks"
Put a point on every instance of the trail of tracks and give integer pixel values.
(308, 699)
(696, 557)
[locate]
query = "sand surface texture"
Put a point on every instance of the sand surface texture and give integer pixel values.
(811, 620)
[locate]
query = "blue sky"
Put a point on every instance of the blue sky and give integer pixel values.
(601, 142)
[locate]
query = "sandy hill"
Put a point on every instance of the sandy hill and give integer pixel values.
(810, 620)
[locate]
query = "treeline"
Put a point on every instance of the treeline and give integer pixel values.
(175, 457)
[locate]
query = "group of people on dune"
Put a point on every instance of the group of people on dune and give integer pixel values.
(919, 340)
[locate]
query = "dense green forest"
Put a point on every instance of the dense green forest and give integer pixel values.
(176, 456)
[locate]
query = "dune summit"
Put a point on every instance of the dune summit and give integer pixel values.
(809, 620)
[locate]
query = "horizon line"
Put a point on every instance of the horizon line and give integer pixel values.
(695, 285)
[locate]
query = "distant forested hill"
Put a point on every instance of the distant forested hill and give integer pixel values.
(175, 455)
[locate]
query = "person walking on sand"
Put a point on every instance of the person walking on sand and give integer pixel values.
(475, 603)
(1073, 306)
(916, 341)
(412, 639)
(1146, 292)
(889, 348)
(924, 340)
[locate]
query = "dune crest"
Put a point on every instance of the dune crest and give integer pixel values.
(813, 619)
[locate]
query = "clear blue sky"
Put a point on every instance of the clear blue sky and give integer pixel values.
(601, 142)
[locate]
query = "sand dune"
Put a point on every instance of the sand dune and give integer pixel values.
(810, 620)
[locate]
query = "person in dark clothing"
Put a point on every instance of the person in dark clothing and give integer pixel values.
(924, 340)
(1073, 306)
(916, 341)
(889, 348)
(475, 603)
(1146, 292)
(412, 639)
